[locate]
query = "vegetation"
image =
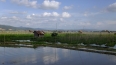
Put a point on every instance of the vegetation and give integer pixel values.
(114, 33)
(54, 34)
(108, 40)
(11, 37)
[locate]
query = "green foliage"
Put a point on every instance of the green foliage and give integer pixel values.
(110, 44)
(70, 38)
(54, 34)
(11, 37)
(114, 33)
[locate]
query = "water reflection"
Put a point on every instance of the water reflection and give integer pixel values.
(52, 56)
(22, 40)
(65, 52)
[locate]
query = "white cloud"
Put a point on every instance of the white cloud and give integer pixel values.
(61, 19)
(28, 3)
(15, 18)
(85, 23)
(47, 4)
(67, 7)
(33, 14)
(3, 17)
(66, 15)
(36, 21)
(3, 0)
(111, 22)
(111, 8)
(54, 14)
(28, 17)
(85, 14)
(108, 25)
(99, 23)
(16, 12)
(46, 14)
(27, 24)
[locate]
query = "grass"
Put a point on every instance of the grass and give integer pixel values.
(69, 38)
(11, 37)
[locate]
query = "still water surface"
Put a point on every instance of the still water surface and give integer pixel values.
(52, 56)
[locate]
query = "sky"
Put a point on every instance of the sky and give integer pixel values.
(61, 14)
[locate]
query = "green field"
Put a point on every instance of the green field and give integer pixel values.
(87, 38)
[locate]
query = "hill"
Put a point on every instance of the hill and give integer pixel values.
(7, 27)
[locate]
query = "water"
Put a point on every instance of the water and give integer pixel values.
(23, 40)
(52, 56)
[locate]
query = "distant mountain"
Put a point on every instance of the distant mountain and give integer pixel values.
(86, 30)
(89, 30)
(7, 27)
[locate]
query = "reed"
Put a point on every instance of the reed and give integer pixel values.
(69, 38)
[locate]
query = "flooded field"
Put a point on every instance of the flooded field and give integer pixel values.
(52, 56)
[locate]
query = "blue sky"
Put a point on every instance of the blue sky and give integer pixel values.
(67, 14)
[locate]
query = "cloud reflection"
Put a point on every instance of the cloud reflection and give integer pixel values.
(50, 58)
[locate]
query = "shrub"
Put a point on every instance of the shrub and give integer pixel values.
(114, 33)
(54, 34)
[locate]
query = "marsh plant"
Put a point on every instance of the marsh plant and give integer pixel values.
(69, 38)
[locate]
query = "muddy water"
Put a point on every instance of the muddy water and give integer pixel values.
(52, 56)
